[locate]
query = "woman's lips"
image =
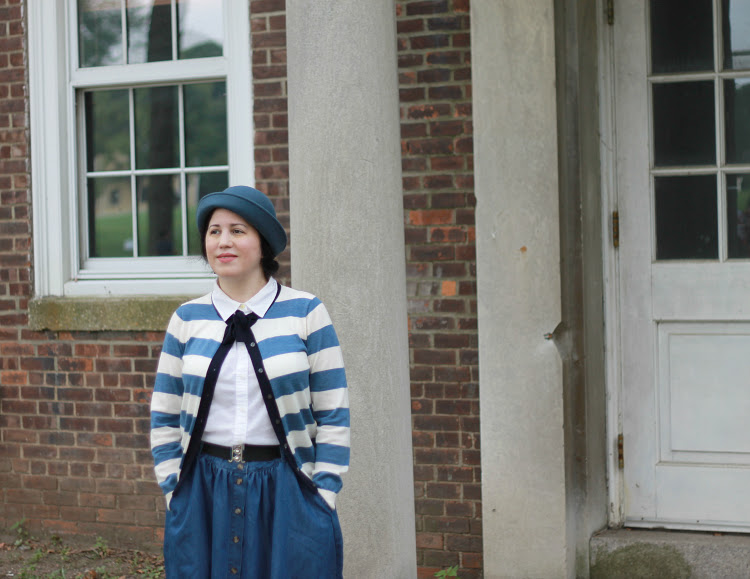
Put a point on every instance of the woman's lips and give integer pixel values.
(226, 257)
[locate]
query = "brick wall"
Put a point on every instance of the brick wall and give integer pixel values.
(268, 27)
(436, 132)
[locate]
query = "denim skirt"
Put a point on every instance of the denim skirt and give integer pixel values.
(250, 520)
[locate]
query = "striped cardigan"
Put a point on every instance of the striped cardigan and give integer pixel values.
(301, 358)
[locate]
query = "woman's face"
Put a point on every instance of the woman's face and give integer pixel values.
(232, 246)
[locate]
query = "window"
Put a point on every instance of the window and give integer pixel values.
(700, 109)
(138, 108)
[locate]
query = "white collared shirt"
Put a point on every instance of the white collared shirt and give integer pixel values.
(238, 414)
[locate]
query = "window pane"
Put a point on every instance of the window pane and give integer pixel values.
(735, 27)
(684, 125)
(159, 215)
(198, 185)
(738, 216)
(686, 217)
(149, 30)
(199, 28)
(737, 119)
(156, 128)
(107, 130)
(681, 36)
(99, 32)
(205, 124)
(110, 217)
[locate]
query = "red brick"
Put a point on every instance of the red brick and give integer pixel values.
(10, 377)
(464, 543)
(262, 6)
(429, 541)
(56, 438)
(472, 560)
(426, 7)
(441, 558)
(435, 357)
(458, 509)
(94, 439)
(435, 456)
(114, 487)
(78, 513)
(23, 496)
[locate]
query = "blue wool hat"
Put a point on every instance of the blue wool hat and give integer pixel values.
(250, 204)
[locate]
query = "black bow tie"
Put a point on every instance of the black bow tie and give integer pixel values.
(238, 327)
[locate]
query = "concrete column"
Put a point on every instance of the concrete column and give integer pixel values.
(518, 275)
(348, 248)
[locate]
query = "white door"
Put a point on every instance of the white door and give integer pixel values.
(682, 121)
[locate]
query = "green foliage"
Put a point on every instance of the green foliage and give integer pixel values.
(449, 572)
(147, 566)
(101, 547)
(53, 559)
(22, 535)
(28, 571)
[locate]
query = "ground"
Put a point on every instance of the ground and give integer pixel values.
(23, 556)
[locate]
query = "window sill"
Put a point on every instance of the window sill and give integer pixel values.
(103, 314)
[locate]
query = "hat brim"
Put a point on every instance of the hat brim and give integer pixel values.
(259, 217)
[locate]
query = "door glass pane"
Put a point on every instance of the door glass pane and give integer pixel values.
(684, 125)
(149, 30)
(200, 28)
(99, 32)
(156, 128)
(738, 216)
(737, 119)
(686, 217)
(107, 130)
(205, 124)
(110, 217)
(159, 215)
(681, 36)
(735, 28)
(198, 185)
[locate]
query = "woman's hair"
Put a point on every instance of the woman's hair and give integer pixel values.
(267, 259)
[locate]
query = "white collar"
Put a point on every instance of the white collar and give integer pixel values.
(258, 304)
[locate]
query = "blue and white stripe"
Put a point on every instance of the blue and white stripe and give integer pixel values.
(302, 359)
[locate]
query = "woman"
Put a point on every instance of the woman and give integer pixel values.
(249, 416)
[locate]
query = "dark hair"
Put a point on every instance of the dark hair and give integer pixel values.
(267, 259)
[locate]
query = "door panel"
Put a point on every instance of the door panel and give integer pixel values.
(682, 118)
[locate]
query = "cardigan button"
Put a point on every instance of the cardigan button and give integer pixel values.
(238, 481)
(237, 511)
(236, 539)
(233, 570)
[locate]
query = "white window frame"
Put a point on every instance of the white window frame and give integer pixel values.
(54, 78)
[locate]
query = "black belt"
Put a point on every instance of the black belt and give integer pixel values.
(242, 452)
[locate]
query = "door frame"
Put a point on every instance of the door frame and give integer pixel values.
(611, 264)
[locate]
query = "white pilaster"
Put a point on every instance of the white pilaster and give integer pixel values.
(518, 275)
(347, 243)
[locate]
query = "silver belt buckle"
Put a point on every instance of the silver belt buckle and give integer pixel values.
(237, 453)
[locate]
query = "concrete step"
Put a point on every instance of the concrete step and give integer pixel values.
(647, 554)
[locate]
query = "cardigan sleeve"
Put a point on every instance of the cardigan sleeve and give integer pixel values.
(330, 402)
(166, 403)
